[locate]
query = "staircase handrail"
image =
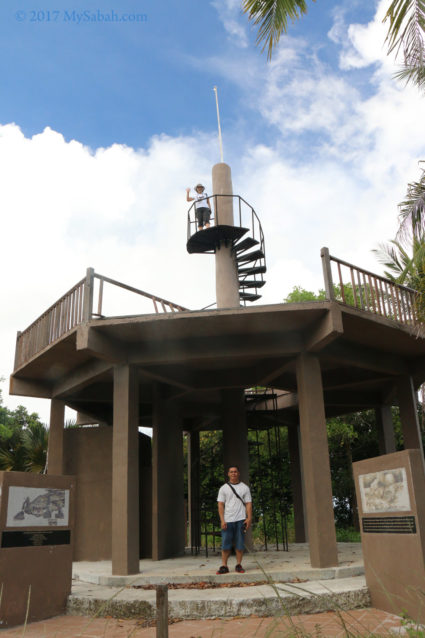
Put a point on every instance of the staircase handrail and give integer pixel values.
(214, 217)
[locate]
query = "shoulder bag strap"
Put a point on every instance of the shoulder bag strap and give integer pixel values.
(235, 493)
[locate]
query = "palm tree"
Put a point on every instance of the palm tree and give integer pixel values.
(412, 210)
(406, 29)
(34, 441)
(406, 33)
(272, 17)
(405, 265)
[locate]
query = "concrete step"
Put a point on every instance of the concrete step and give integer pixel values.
(262, 600)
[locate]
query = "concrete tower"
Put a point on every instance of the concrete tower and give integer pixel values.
(226, 272)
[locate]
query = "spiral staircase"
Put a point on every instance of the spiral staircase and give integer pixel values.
(246, 238)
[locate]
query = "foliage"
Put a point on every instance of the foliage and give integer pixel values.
(299, 294)
(412, 209)
(23, 440)
(406, 33)
(405, 263)
(272, 17)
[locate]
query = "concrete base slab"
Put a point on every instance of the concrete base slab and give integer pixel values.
(278, 565)
(261, 600)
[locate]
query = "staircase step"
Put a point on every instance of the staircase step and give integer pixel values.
(254, 256)
(249, 242)
(249, 296)
(251, 283)
(252, 270)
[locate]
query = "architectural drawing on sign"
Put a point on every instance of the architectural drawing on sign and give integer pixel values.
(385, 491)
(37, 507)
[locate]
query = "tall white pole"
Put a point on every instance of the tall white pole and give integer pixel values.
(219, 127)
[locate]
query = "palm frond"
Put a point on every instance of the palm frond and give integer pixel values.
(272, 17)
(395, 258)
(414, 73)
(406, 28)
(412, 210)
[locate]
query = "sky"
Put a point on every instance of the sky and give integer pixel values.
(107, 114)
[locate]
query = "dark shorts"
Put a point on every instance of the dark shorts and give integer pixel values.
(233, 535)
(203, 216)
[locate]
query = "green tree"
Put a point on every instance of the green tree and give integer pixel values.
(23, 440)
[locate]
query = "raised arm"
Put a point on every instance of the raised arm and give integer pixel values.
(189, 199)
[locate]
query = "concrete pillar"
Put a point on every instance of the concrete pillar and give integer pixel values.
(296, 483)
(55, 446)
(408, 413)
(235, 439)
(168, 520)
(315, 460)
(226, 273)
(193, 465)
(125, 472)
(385, 427)
(235, 433)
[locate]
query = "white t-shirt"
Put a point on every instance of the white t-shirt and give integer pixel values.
(234, 509)
(201, 200)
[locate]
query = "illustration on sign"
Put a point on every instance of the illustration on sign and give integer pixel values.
(35, 506)
(384, 491)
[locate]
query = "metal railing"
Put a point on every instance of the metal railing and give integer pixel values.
(73, 308)
(366, 290)
(243, 213)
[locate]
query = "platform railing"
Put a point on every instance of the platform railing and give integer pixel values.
(244, 216)
(76, 307)
(368, 291)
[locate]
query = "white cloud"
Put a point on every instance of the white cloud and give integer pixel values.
(363, 44)
(229, 12)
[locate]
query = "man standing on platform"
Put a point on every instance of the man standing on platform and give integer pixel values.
(235, 511)
(202, 206)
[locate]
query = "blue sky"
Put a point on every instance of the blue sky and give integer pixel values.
(106, 82)
(103, 125)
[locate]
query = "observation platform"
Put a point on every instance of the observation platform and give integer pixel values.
(70, 353)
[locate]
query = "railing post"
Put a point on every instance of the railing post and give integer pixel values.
(327, 274)
(88, 295)
(162, 611)
(18, 348)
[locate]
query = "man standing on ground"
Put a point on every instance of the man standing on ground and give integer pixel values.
(235, 511)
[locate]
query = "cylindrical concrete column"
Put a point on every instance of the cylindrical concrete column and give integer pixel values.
(226, 272)
(222, 185)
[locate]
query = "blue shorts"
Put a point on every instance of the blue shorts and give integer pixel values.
(233, 535)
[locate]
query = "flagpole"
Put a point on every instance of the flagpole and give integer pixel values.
(219, 127)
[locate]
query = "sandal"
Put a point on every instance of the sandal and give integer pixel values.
(223, 570)
(239, 569)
